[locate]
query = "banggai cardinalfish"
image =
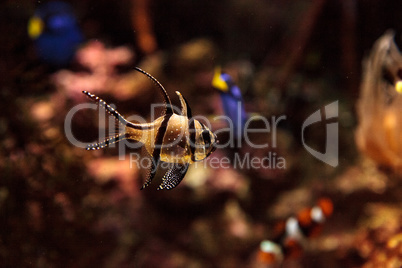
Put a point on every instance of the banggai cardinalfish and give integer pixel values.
(177, 139)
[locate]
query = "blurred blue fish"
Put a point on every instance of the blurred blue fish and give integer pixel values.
(232, 101)
(56, 33)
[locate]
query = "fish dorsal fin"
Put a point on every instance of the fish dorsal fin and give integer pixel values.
(168, 104)
(185, 108)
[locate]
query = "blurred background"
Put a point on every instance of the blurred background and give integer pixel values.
(63, 206)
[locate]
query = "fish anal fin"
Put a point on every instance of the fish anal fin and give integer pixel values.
(151, 166)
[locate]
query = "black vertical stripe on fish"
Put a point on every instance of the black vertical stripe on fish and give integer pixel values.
(206, 138)
(157, 149)
(168, 103)
(191, 129)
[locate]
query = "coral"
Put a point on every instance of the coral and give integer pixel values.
(101, 76)
(380, 239)
(379, 134)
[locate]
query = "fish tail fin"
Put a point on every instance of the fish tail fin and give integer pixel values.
(107, 142)
(123, 129)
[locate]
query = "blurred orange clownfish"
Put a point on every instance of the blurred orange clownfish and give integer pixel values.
(290, 235)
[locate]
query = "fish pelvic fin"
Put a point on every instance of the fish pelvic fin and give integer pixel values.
(173, 176)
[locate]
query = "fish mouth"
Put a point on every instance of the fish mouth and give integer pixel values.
(216, 141)
(213, 148)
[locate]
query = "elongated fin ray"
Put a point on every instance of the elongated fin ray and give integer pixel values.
(173, 176)
(168, 103)
(107, 142)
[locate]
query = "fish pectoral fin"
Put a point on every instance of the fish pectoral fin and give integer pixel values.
(173, 176)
